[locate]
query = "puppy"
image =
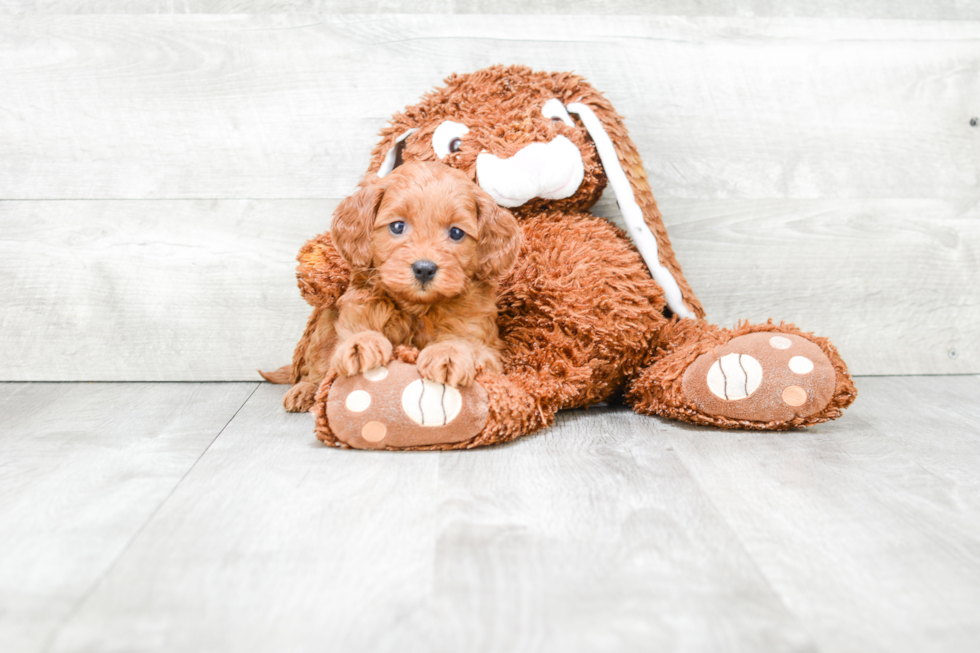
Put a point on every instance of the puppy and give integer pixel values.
(426, 246)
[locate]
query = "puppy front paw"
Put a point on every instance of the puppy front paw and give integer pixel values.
(299, 398)
(447, 362)
(360, 353)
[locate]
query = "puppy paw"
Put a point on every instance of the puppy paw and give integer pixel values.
(299, 398)
(449, 363)
(360, 353)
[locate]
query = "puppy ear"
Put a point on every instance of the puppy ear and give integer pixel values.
(499, 239)
(353, 221)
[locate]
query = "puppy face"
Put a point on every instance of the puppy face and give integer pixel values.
(424, 232)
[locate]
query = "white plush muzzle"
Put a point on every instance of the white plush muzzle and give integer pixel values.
(552, 171)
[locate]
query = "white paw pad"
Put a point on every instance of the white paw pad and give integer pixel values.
(358, 401)
(801, 364)
(428, 403)
(377, 374)
(734, 377)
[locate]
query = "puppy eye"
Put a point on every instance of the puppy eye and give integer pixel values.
(457, 234)
(455, 144)
(397, 228)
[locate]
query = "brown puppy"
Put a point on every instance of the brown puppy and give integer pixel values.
(426, 247)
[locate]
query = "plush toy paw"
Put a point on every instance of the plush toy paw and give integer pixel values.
(299, 398)
(449, 363)
(767, 377)
(393, 407)
(363, 351)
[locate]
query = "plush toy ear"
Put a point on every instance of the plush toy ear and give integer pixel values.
(393, 157)
(353, 221)
(499, 238)
(625, 173)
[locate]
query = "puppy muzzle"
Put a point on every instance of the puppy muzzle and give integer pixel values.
(424, 271)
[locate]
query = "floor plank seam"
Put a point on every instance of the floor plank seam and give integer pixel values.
(748, 554)
(52, 637)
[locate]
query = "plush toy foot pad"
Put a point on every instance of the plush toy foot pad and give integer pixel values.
(763, 377)
(393, 407)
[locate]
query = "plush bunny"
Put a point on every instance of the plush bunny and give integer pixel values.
(587, 314)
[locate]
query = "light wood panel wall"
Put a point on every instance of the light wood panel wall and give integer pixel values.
(160, 171)
(934, 9)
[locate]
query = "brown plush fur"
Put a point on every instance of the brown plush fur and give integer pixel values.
(581, 319)
(501, 105)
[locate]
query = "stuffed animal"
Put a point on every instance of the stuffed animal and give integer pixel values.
(587, 314)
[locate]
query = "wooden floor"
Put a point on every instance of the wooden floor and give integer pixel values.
(201, 517)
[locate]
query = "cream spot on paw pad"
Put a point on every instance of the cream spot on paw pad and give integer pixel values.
(801, 364)
(374, 431)
(794, 395)
(734, 377)
(358, 401)
(428, 403)
(780, 342)
(377, 374)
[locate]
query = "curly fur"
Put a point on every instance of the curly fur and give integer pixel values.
(580, 318)
(451, 318)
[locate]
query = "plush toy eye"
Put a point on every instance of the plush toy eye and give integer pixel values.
(457, 234)
(397, 228)
(448, 138)
(555, 110)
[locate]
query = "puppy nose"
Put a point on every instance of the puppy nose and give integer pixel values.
(424, 271)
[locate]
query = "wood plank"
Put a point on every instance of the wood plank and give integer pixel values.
(160, 291)
(595, 538)
(935, 9)
(205, 290)
(868, 527)
(589, 537)
(891, 282)
(276, 543)
(83, 468)
(287, 106)
(938, 423)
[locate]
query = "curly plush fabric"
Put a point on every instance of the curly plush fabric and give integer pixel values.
(657, 391)
(581, 317)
